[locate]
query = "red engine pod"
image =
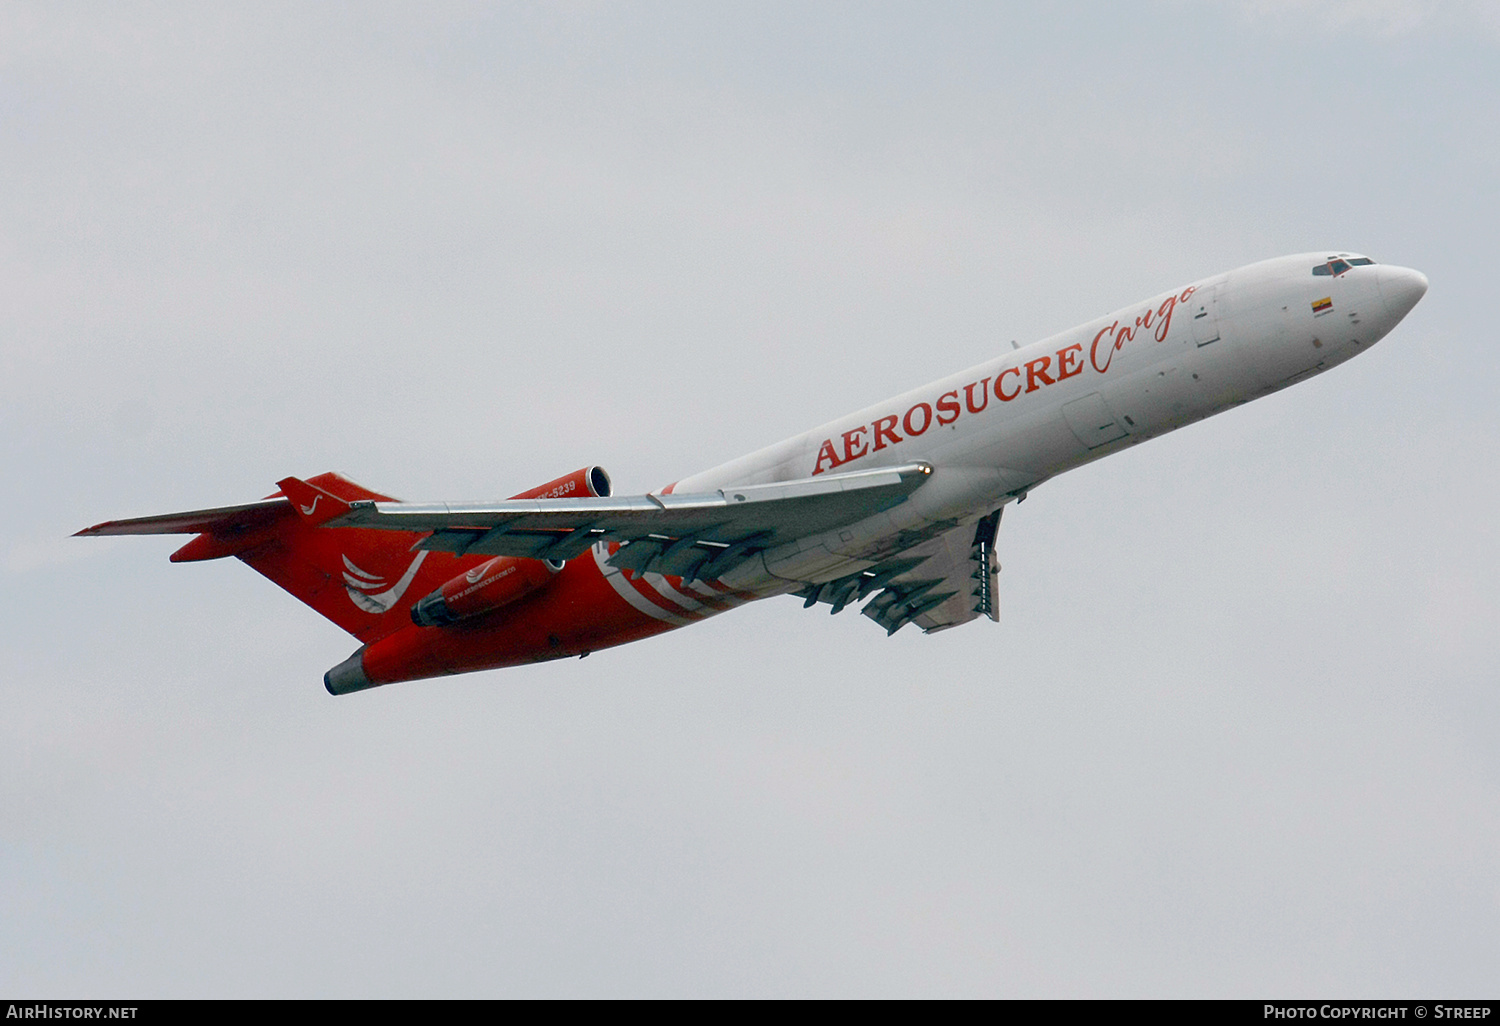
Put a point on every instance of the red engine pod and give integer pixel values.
(488, 586)
(588, 481)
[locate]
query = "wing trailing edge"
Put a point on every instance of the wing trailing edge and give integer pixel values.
(695, 536)
(937, 583)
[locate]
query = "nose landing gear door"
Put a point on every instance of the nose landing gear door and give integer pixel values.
(1204, 311)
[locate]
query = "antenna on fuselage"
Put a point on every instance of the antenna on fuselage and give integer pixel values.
(1013, 344)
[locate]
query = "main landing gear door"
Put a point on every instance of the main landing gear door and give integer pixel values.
(1092, 421)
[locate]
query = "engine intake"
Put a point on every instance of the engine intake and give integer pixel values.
(588, 481)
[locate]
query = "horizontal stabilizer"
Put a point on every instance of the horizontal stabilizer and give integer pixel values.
(219, 520)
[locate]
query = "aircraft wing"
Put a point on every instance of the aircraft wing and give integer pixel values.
(938, 583)
(695, 536)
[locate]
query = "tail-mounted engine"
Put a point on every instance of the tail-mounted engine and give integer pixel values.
(577, 485)
(488, 586)
(505, 579)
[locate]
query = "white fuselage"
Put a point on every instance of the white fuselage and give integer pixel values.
(996, 430)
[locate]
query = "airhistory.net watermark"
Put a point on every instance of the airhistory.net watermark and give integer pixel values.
(45, 1010)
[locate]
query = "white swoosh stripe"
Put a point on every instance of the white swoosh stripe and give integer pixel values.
(624, 589)
(663, 587)
(361, 573)
(386, 599)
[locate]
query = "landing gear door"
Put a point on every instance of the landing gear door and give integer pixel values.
(1204, 311)
(1092, 421)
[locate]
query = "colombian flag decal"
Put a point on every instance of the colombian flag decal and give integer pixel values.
(1323, 305)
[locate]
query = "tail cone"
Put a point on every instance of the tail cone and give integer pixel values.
(348, 676)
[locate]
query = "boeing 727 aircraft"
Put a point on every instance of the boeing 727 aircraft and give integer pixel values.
(896, 506)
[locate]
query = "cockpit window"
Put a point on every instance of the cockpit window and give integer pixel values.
(1338, 265)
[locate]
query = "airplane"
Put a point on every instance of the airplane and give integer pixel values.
(896, 506)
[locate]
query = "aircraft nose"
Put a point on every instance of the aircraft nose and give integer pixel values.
(1400, 288)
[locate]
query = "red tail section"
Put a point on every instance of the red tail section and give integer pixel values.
(364, 581)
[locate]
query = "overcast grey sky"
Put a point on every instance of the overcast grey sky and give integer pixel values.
(1235, 734)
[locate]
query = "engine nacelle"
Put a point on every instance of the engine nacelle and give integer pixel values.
(488, 586)
(505, 578)
(588, 481)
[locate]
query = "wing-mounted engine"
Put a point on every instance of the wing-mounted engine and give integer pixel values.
(937, 584)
